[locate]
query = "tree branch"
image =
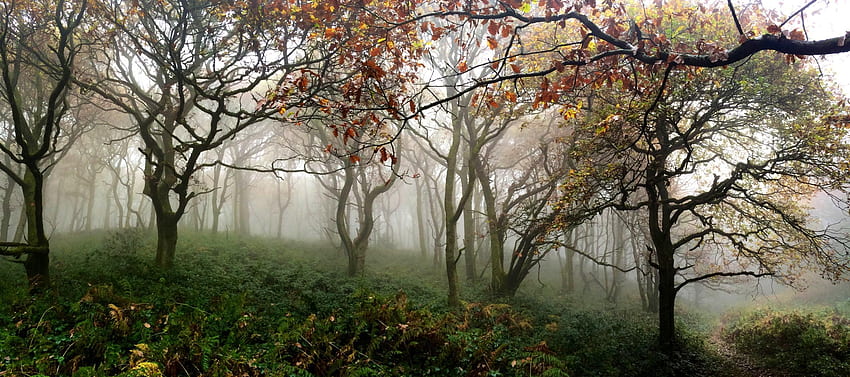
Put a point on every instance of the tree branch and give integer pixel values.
(722, 274)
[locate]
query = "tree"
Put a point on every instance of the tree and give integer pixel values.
(191, 75)
(756, 155)
(615, 48)
(38, 53)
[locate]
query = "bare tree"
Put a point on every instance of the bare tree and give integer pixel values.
(38, 53)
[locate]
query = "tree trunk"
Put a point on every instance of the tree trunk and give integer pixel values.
(21, 227)
(6, 209)
(420, 220)
(469, 254)
(452, 215)
(166, 240)
(567, 275)
(619, 229)
(90, 196)
(242, 204)
(113, 188)
(497, 246)
(357, 260)
(37, 264)
(666, 302)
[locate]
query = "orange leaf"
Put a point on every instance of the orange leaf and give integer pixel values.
(354, 158)
(462, 66)
(375, 51)
(301, 82)
(492, 43)
(515, 68)
(511, 96)
(493, 103)
(797, 35)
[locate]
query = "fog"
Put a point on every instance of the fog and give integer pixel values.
(586, 184)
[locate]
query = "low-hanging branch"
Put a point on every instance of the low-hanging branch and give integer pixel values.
(722, 274)
(17, 249)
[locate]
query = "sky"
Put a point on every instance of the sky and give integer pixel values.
(824, 19)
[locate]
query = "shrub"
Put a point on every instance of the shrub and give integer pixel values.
(802, 343)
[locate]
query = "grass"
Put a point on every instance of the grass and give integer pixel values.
(260, 307)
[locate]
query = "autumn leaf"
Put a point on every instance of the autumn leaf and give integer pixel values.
(493, 28)
(506, 31)
(354, 158)
(515, 68)
(301, 83)
(511, 96)
(492, 43)
(462, 66)
(773, 29)
(797, 35)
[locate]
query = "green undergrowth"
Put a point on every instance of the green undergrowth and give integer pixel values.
(235, 306)
(797, 342)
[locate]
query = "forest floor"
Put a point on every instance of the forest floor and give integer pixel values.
(742, 364)
(258, 307)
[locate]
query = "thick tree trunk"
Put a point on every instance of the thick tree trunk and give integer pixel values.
(357, 261)
(166, 240)
(37, 264)
(666, 302)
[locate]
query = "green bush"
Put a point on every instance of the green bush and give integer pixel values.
(802, 343)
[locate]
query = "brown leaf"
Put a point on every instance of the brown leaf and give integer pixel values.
(493, 28)
(506, 31)
(797, 35)
(773, 29)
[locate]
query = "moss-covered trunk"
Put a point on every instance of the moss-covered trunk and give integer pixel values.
(37, 264)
